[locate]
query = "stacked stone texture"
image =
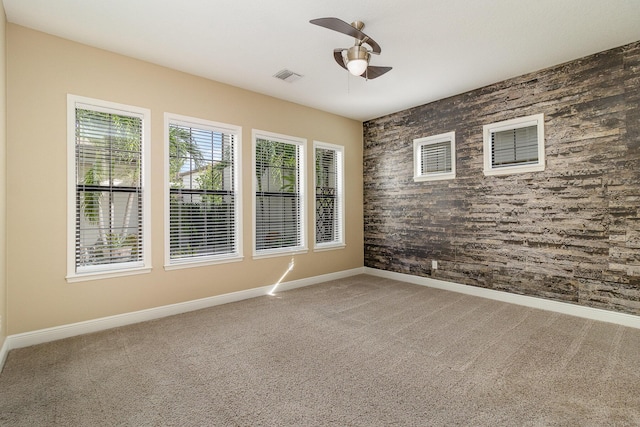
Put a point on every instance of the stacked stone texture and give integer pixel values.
(570, 233)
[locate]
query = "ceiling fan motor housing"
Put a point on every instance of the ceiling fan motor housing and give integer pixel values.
(357, 52)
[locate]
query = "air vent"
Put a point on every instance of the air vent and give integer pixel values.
(287, 76)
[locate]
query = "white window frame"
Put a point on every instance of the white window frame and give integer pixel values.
(339, 242)
(237, 255)
(418, 176)
(301, 143)
(521, 122)
(116, 269)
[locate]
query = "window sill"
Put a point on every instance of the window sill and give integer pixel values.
(508, 170)
(434, 177)
(272, 253)
(182, 264)
(329, 247)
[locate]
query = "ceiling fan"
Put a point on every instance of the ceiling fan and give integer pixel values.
(355, 59)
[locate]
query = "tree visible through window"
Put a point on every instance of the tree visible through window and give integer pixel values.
(203, 223)
(279, 200)
(108, 226)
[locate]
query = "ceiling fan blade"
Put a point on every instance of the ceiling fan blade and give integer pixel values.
(337, 55)
(374, 72)
(340, 26)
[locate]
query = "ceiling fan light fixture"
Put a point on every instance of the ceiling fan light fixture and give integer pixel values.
(357, 60)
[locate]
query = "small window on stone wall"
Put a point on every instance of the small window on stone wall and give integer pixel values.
(514, 146)
(434, 157)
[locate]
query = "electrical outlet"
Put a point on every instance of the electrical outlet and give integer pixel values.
(434, 264)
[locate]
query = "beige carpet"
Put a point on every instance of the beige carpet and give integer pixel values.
(362, 351)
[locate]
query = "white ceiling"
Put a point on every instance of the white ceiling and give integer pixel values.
(437, 48)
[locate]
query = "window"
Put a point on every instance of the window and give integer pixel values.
(329, 200)
(203, 214)
(514, 146)
(434, 157)
(108, 202)
(279, 208)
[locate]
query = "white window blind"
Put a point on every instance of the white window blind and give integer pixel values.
(434, 157)
(109, 192)
(203, 199)
(279, 200)
(329, 195)
(514, 146)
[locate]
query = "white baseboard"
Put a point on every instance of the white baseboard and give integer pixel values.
(285, 286)
(95, 325)
(65, 331)
(534, 302)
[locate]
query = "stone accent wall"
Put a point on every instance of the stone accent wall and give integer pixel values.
(570, 233)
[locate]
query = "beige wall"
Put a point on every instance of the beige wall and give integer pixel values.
(42, 70)
(3, 179)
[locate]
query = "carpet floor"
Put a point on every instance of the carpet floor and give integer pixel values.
(361, 351)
